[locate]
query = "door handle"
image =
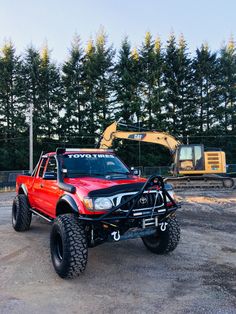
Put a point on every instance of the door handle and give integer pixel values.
(41, 185)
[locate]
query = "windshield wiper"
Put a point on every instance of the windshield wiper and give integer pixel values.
(117, 172)
(86, 174)
(74, 173)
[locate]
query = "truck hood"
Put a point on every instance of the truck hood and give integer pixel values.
(89, 184)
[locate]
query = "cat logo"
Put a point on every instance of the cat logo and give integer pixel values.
(138, 137)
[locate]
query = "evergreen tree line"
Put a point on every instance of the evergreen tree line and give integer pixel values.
(156, 86)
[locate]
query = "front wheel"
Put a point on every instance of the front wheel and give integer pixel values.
(68, 242)
(21, 214)
(163, 242)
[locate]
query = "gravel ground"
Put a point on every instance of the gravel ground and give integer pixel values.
(198, 277)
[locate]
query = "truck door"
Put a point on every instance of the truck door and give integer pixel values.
(50, 193)
(35, 193)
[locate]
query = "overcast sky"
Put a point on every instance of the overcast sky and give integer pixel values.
(56, 21)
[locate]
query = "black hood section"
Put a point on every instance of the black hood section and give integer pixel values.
(116, 189)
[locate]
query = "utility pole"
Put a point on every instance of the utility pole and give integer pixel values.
(31, 138)
(139, 146)
(187, 139)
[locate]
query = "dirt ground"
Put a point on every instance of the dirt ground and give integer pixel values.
(198, 277)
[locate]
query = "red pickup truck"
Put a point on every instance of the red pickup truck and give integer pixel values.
(90, 196)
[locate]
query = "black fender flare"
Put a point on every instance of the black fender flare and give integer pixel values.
(70, 201)
(24, 188)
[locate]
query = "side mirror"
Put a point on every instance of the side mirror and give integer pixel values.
(135, 171)
(49, 176)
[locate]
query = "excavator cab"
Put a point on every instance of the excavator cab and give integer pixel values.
(189, 158)
(193, 159)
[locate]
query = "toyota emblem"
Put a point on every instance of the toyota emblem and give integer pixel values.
(143, 200)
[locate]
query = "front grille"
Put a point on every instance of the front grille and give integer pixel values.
(144, 205)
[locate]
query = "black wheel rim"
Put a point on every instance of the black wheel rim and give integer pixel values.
(58, 247)
(153, 241)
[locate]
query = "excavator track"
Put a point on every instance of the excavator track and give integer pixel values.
(201, 182)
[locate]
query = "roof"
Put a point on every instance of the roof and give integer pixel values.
(81, 150)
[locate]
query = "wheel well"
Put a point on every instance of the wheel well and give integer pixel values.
(21, 191)
(64, 208)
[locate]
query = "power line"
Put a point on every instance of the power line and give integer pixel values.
(14, 138)
(215, 136)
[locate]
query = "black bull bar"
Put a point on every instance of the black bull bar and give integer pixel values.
(153, 182)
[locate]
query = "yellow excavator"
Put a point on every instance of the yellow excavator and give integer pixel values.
(193, 166)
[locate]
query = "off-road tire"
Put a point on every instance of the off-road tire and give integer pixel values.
(21, 214)
(163, 242)
(68, 243)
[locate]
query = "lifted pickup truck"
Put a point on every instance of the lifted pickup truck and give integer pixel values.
(92, 197)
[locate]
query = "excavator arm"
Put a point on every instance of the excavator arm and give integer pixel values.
(155, 137)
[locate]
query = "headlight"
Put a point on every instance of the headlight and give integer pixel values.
(102, 203)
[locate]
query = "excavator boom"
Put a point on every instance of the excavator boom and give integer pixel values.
(155, 137)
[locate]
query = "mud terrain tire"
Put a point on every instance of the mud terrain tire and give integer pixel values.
(21, 215)
(163, 242)
(68, 243)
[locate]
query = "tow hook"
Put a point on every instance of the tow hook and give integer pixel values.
(116, 235)
(163, 226)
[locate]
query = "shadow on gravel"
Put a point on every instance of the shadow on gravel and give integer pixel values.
(220, 222)
(220, 276)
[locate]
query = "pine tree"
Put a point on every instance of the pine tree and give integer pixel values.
(12, 111)
(98, 70)
(90, 81)
(179, 89)
(227, 69)
(104, 75)
(205, 82)
(127, 84)
(31, 79)
(124, 84)
(49, 95)
(136, 79)
(72, 78)
(151, 59)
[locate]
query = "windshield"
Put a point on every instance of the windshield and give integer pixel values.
(93, 165)
(186, 153)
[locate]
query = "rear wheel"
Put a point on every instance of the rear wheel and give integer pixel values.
(68, 242)
(163, 242)
(21, 214)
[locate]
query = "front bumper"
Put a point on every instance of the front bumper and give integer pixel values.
(117, 213)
